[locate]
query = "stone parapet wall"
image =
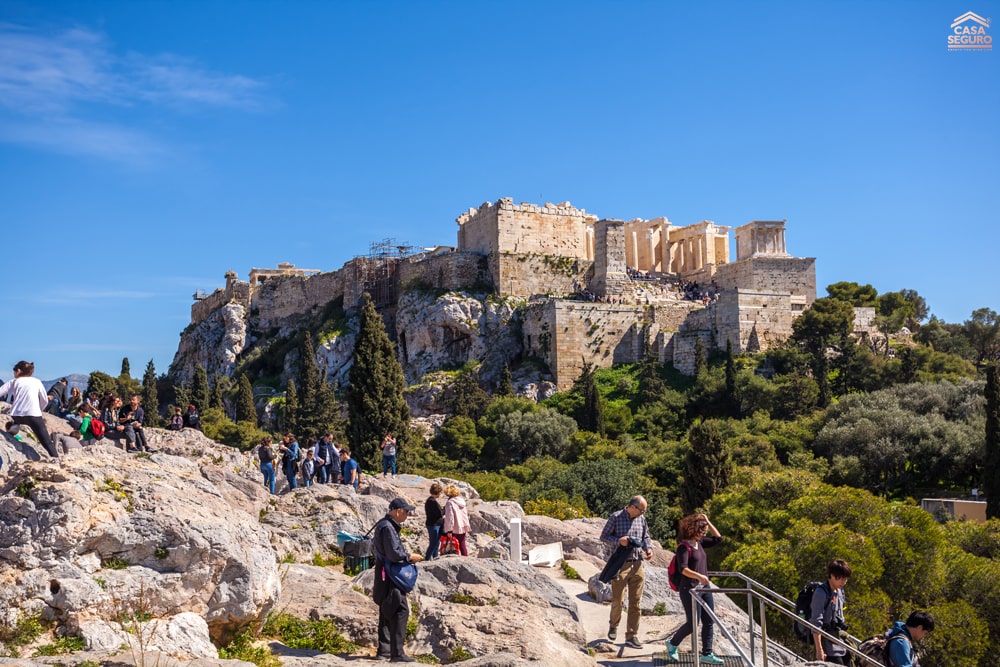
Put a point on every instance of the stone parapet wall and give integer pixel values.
(296, 296)
(794, 275)
(526, 275)
(238, 292)
(452, 271)
(753, 321)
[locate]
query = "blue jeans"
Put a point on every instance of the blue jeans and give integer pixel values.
(321, 474)
(268, 469)
(291, 474)
(434, 534)
(388, 462)
(704, 620)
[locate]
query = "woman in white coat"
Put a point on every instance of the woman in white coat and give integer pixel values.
(456, 517)
(27, 398)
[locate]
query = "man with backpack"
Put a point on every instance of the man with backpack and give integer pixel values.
(393, 609)
(899, 640)
(827, 611)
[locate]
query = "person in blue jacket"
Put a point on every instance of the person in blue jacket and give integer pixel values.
(899, 647)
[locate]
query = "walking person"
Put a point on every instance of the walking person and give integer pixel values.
(28, 398)
(827, 612)
(393, 608)
(697, 533)
(434, 520)
(266, 457)
(899, 647)
(456, 517)
(627, 528)
(389, 455)
(350, 473)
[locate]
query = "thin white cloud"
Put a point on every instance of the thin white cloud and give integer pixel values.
(75, 137)
(90, 297)
(51, 84)
(85, 347)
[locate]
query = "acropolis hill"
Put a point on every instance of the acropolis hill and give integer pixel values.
(550, 282)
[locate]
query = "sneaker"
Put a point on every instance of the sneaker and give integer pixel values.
(402, 657)
(672, 652)
(633, 642)
(711, 659)
(612, 633)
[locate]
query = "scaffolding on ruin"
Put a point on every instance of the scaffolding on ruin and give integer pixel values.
(377, 271)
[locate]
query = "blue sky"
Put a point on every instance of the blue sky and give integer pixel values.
(148, 147)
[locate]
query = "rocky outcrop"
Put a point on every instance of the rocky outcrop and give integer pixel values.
(449, 330)
(101, 531)
(214, 343)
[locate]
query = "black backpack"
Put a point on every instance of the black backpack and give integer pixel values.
(877, 648)
(803, 608)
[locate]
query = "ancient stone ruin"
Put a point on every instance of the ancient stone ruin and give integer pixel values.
(587, 289)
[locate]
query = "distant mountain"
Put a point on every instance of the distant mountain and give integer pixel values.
(78, 380)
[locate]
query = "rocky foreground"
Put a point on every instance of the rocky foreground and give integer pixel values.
(163, 558)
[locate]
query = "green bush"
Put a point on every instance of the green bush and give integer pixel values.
(319, 635)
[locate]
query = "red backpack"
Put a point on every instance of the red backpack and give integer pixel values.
(97, 427)
(449, 545)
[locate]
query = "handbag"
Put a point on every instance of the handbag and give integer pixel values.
(448, 545)
(402, 575)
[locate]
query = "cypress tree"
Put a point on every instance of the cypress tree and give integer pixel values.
(506, 387)
(291, 407)
(199, 388)
(126, 370)
(182, 396)
(215, 395)
(308, 384)
(592, 412)
(150, 401)
(246, 410)
(125, 385)
(734, 403)
(706, 467)
(375, 403)
(470, 399)
(651, 386)
(699, 357)
(991, 466)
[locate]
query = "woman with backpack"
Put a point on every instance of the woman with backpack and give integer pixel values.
(697, 533)
(266, 457)
(456, 517)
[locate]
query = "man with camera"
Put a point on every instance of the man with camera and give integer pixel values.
(827, 611)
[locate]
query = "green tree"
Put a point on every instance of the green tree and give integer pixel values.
(506, 387)
(199, 388)
(100, 383)
(246, 409)
(182, 396)
(731, 389)
(983, 333)
(460, 442)
(857, 295)
(317, 412)
(828, 322)
(699, 357)
(215, 399)
(469, 398)
(149, 399)
(291, 412)
(991, 465)
(706, 468)
(125, 385)
(591, 417)
(375, 403)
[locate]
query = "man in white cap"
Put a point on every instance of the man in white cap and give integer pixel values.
(393, 609)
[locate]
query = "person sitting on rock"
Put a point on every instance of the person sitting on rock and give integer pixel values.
(57, 398)
(177, 421)
(191, 418)
(135, 416)
(115, 429)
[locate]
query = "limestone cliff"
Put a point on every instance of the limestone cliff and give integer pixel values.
(215, 343)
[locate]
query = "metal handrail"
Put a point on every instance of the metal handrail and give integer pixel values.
(781, 604)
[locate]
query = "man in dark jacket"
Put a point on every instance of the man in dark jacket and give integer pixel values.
(393, 609)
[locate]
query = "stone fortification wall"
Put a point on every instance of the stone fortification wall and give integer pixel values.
(451, 271)
(295, 296)
(794, 275)
(684, 346)
(529, 275)
(236, 292)
(506, 227)
(753, 320)
(670, 319)
(567, 334)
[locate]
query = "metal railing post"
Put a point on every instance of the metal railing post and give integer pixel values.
(753, 650)
(695, 612)
(763, 631)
